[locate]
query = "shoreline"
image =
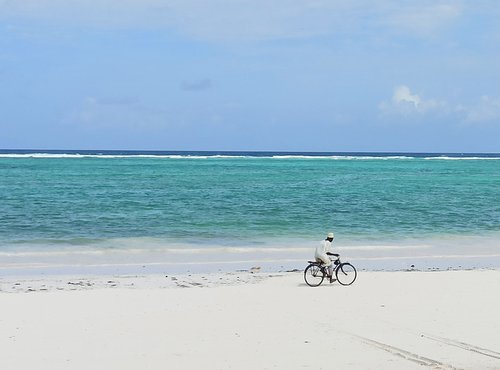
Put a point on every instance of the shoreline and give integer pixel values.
(157, 258)
(134, 266)
(29, 283)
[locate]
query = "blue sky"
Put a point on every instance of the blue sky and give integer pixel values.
(250, 75)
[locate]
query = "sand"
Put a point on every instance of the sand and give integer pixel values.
(385, 320)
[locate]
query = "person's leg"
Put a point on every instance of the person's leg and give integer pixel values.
(327, 263)
(330, 270)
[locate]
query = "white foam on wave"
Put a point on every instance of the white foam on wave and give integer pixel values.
(341, 157)
(384, 247)
(187, 156)
(50, 155)
(41, 155)
(462, 158)
(430, 256)
(224, 156)
(154, 250)
(235, 156)
(76, 155)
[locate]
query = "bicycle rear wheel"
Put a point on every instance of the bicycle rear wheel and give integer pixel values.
(314, 275)
(346, 274)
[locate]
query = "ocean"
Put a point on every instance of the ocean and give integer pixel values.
(237, 209)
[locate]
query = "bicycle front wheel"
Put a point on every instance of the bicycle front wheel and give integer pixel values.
(314, 275)
(346, 274)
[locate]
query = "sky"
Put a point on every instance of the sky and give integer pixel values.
(280, 75)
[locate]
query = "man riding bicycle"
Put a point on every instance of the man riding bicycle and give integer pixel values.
(323, 251)
(323, 266)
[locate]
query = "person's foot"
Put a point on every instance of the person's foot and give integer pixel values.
(332, 279)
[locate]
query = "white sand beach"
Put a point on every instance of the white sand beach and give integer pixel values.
(385, 320)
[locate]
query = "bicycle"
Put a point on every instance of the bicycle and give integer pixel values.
(315, 272)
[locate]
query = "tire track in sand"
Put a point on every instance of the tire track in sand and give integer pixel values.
(463, 345)
(410, 356)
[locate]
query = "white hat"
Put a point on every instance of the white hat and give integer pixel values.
(330, 235)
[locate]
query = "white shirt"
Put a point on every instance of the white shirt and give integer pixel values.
(324, 247)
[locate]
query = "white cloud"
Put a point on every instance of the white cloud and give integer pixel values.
(405, 102)
(423, 18)
(403, 95)
(486, 110)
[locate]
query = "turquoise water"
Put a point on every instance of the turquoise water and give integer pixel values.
(185, 200)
